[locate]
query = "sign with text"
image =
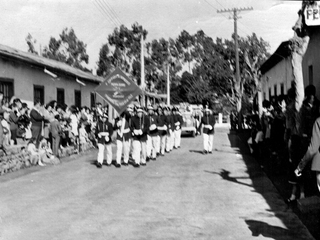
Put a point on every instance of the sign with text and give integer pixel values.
(118, 90)
(312, 14)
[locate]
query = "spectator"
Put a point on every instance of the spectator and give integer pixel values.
(55, 133)
(46, 154)
(37, 120)
(13, 120)
(35, 156)
(6, 128)
(23, 121)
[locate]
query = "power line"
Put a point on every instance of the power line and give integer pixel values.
(113, 12)
(107, 9)
(104, 12)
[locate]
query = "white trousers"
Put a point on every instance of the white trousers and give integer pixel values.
(152, 144)
(139, 151)
(208, 142)
(119, 151)
(177, 138)
(169, 142)
(126, 150)
(163, 143)
(108, 149)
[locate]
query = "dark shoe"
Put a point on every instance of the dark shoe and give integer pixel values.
(125, 164)
(108, 164)
(118, 165)
(143, 164)
(205, 152)
(210, 152)
(153, 159)
(158, 154)
(148, 159)
(162, 154)
(99, 165)
(136, 165)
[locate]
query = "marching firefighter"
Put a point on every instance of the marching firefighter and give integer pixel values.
(208, 122)
(127, 135)
(152, 141)
(162, 131)
(104, 131)
(119, 128)
(178, 121)
(139, 128)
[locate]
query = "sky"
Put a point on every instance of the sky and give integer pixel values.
(94, 20)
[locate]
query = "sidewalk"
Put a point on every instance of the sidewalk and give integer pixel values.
(279, 178)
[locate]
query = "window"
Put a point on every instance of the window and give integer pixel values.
(38, 93)
(310, 71)
(282, 89)
(77, 98)
(60, 96)
(92, 100)
(275, 90)
(6, 86)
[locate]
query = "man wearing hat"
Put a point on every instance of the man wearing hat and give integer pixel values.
(162, 131)
(178, 121)
(139, 128)
(104, 132)
(170, 125)
(152, 141)
(127, 135)
(208, 121)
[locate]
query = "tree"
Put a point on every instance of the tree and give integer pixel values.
(68, 49)
(105, 61)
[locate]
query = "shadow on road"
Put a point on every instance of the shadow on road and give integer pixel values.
(261, 228)
(226, 176)
(259, 183)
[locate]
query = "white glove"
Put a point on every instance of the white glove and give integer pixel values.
(140, 132)
(165, 127)
(178, 127)
(99, 135)
(177, 123)
(136, 132)
(297, 172)
(153, 127)
(107, 138)
(210, 127)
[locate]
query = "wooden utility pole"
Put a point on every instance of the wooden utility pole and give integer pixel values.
(235, 17)
(168, 75)
(142, 82)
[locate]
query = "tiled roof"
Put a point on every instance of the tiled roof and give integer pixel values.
(49, 64)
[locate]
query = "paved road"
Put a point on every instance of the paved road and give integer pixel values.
(183, 195)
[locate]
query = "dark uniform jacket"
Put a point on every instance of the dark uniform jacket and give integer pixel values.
(36, 118)
(177, 118)
(153, 119)
(138, 123)
(162, 121)
(208, 120)
(104, 127)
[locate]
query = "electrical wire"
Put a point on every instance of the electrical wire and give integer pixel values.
(106, 9)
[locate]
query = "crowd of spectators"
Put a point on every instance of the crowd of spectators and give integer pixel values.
(281, 137)
(47, 129)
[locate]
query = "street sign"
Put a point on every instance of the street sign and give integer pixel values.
(312, 14)
(118, 90)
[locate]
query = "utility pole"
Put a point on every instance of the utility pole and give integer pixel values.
(168, 75)
(235, 17)
(142, 83)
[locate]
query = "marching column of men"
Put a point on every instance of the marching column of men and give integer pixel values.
(143, 135)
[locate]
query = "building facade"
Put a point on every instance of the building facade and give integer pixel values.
(30, 77)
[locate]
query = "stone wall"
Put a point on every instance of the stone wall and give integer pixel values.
(17, 157)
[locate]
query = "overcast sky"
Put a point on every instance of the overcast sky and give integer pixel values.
(94, 20)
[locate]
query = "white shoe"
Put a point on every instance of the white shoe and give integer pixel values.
(41, 164)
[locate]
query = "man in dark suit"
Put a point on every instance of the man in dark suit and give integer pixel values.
(37, 120)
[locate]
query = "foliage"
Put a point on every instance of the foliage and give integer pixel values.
(68, 49)
(31, 42)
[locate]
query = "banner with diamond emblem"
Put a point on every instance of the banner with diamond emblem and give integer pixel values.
(118, 90)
